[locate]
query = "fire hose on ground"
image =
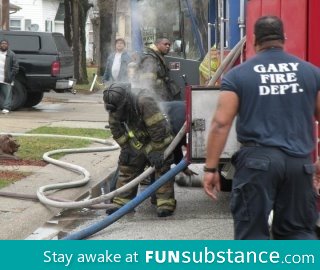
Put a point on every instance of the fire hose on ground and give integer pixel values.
(78, 169)
(128, 207)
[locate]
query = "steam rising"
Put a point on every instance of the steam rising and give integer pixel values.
(157, 19)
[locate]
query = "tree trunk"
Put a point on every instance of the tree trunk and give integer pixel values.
(68, 33)
(107, 10)
(83, 12)
(96, 43)
(5, 15)
(75, 24)
(76, 40)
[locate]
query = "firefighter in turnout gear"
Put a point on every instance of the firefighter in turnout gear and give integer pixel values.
(139, 127)
(154, 73)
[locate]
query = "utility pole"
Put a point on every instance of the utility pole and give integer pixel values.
(5, 14)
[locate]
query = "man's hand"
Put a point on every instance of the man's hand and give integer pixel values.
(316, 178)
(211, 184)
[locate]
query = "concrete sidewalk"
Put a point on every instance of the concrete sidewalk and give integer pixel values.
(20, 218)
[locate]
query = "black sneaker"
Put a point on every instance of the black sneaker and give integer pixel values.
(318, 232)
(153, 200)
(164, 212)
(113, 207)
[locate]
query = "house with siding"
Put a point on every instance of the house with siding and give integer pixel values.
(48, 16)
(42, 16)
(38, 15)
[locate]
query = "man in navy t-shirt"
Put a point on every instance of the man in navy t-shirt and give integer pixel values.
(275, 97)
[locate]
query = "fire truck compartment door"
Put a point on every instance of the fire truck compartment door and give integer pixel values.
(203, 105)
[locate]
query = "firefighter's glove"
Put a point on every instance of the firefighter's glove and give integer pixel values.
(127, 154)
(156, 159)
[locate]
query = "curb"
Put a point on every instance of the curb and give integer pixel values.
(20, 218)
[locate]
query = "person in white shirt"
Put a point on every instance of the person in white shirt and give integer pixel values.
(117, 62)
(8, 69)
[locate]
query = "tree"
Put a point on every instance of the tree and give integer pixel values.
(68, 21)
(74, 27)
(4, 14)
(107, 10)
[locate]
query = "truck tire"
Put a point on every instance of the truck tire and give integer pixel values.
(33, 99)
(19, 95)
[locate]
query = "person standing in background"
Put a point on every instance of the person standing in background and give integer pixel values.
(154, 72)
(117, 63)
(209, 66)
(9, 67)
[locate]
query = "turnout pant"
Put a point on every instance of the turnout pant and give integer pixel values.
(132, 164)
(268, 179)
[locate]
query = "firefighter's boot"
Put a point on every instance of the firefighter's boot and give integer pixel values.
(164, 212)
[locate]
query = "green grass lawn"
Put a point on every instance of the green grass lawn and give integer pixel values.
(33, 148)
(8, 177)
(84, 88)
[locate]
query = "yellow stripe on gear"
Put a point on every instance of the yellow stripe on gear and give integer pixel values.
(154, 119)
(121, 140)
(155, 146)
(134, 141)
(120, 201)
(169, 204)
(148, 75)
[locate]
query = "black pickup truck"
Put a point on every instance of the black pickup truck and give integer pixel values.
(45, 63)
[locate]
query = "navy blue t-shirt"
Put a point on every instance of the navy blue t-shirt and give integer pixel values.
(277, 96)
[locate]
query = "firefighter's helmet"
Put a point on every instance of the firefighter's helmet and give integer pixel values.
(116, 96)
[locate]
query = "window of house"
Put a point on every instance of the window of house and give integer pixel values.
(15, 24)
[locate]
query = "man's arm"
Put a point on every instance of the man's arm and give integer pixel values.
(15, 66)
(158, 129)
(106, 75)
(117, 130)
(227, 108)
(317, 164)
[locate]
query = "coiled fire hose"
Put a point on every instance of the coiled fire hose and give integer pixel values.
(78, 169)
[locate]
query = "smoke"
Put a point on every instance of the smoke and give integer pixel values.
(156, 19)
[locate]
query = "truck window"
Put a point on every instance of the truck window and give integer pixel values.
(61, 43)
(24, 43)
